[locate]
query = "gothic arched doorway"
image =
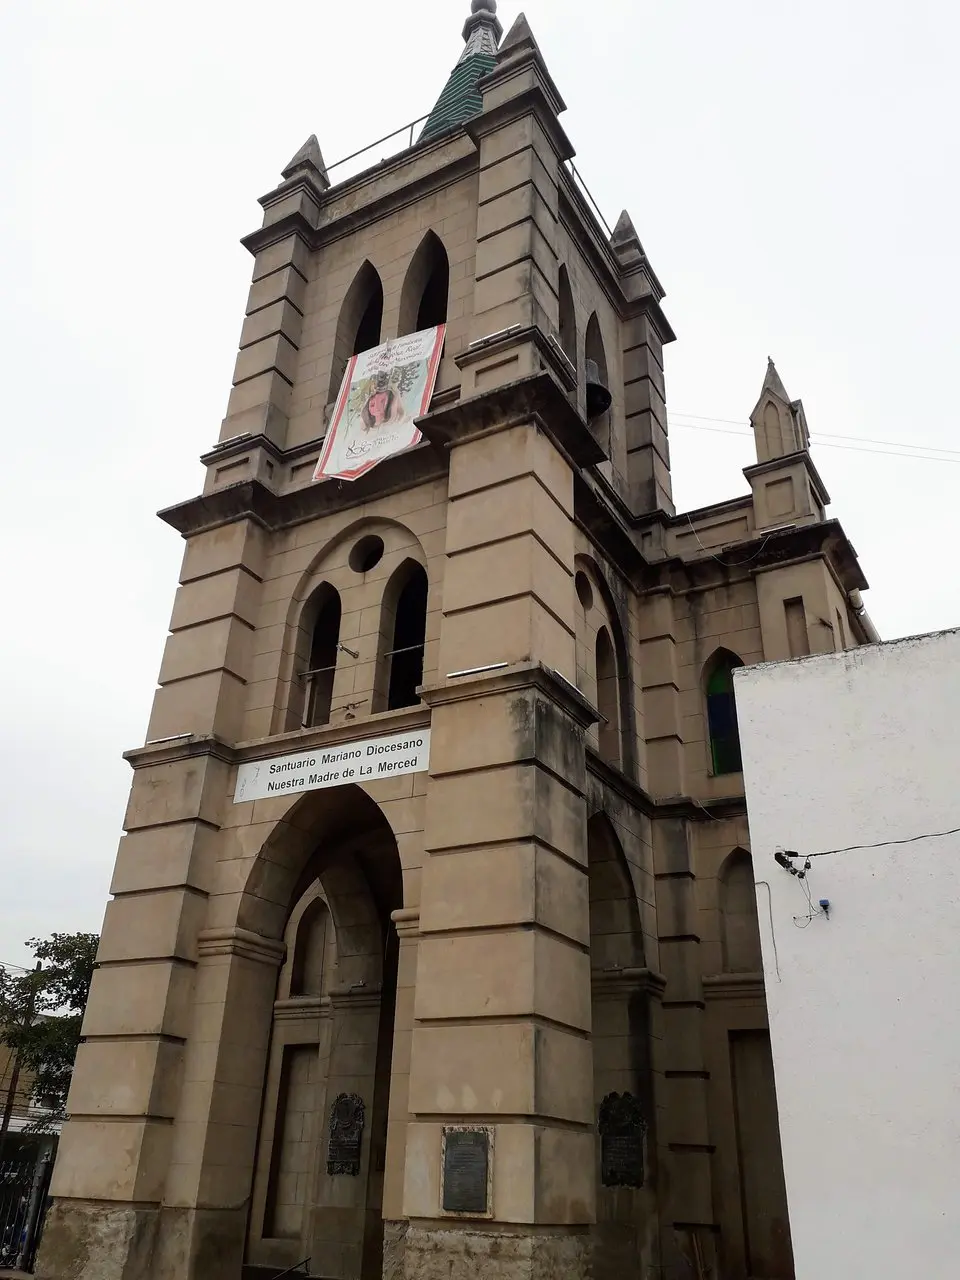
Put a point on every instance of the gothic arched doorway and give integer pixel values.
(318, 1179)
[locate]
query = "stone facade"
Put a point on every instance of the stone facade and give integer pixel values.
(562, 907)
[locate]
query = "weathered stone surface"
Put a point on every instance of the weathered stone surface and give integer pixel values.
(394, 1249)
(83, 1241)
(461, 1253)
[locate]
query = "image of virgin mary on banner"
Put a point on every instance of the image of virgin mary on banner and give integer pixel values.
(384, 392)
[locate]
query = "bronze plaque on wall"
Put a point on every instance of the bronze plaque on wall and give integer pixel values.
(466, 1167)
(622, 1132)
(346, 1135)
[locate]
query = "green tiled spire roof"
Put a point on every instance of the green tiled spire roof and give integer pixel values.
(461, 100)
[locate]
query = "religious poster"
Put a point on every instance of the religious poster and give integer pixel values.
(384, 392)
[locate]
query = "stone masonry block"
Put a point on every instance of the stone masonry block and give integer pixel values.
(226, 643)
(235, 591)
(501, 885)
(112, 1160)
(518, 802)
(510, 973)
(285, 284)
(152, 926)
(238, 545)
(272, 353)
(125, 1078)
(518, 506)
(520, 451)
(281, 317)
(140, 999)
(292, 251)
(182, 853)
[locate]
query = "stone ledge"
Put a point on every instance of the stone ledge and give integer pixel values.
(243, 943)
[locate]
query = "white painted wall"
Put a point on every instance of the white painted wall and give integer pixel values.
(846, 749)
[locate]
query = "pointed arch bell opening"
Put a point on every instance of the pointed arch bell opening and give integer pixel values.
(568, 320)
(360, 322)
(595, 353)
(425, 296)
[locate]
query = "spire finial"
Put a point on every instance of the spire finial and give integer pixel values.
(482, 30)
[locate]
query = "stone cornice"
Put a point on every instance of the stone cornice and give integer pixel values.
(622, 982)
(789, 460)
(333, 225)
(550, 350)
(253, 500)
(535, 100)
(671, 806)
(734, 986)
(356, 997)
(407, 923)
(517, 678)
(302, 1008)
(538, 397)
(242, 943)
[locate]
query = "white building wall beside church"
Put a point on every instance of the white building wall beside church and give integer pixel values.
(844, 749)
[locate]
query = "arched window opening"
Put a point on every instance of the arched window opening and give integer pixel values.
(722, 714)
(568, 319)
(740, 930)
(426, 289)
(310, 951)
(595, 353)
(368, 330)
(358, 328)
(616, 935)
(608, 698)
(403, 633)
(322, 664)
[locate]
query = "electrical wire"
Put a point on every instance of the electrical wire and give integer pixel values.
(819, 435)
(820, 442)
(773, 932)
(730, 564)
(886, 844)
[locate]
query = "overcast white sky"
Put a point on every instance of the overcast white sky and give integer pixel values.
(791, 166)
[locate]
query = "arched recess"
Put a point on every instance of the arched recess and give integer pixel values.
(403, 633)
(568, 320)
(358, 328)
(339, 563)
(335, 860)
(594, 350)
(723, 731)
(426, 288)
(608, 699)
(599, 612)
(739, 926)
(616, 933)
(622, 1043)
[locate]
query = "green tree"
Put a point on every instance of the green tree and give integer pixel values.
(40, 1017)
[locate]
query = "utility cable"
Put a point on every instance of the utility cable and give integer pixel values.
(829, 444)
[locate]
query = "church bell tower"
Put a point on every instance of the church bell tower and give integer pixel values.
(407, 966)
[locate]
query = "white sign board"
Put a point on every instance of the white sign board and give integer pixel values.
(364, 761)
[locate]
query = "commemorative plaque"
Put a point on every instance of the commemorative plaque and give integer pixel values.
(622, 1131)
(466, 1161)
(346, 1135)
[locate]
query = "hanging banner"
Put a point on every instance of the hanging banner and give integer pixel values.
(383, 393)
